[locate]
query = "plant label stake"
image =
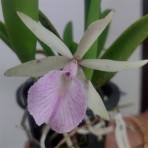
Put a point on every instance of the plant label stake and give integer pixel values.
(121, 133)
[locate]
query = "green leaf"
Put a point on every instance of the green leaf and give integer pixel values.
(4, 36)
(68, 34)
(73, 47)
(102, 38)
(123, 47)
(86, 4)
(22, 40)
(46, 49)
(92, 14)
(3, 28)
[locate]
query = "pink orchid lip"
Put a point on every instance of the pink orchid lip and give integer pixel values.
(57, 101)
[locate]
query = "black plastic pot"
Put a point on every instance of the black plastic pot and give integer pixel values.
(110, 94)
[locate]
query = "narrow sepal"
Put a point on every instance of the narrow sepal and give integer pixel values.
(39, 67)
(91, 34)
(45, 35)
(111, 65)
(95, 102)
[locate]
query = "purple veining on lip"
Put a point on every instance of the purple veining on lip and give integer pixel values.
(59, 102)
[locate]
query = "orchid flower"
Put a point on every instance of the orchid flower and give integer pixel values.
(61, 96)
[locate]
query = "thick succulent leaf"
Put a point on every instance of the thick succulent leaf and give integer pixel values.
(4, 36)
(37, 68)
(123, 47)
(91, 34)
(45, 35)
(94, 14)
(23, 42)
(111, 65)
(68, 34)
(95, 102)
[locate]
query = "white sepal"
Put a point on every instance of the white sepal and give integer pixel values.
(91, 34)
(81, 75)
(37, 68)
(45, 35)
(111, 65)
(95, 102)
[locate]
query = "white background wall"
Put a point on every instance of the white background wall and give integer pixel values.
(60, 12)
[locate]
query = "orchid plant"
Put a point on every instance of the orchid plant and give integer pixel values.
(64, 87)
(60, 97)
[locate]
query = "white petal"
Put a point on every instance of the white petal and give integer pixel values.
(95, 102)
(81, 75)
(91, 34)
(110, 65)
(39, 67)
(45, 35)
